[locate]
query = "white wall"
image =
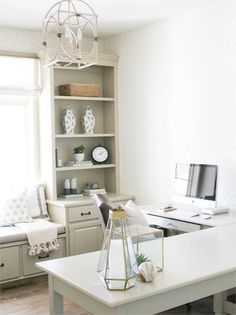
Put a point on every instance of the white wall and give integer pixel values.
(177, 100)
(143, 110)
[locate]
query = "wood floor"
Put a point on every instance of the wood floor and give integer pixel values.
(30, 297)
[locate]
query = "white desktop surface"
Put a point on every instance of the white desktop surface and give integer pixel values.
(197, 264)
(185, 214)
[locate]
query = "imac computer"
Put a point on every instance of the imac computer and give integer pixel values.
(195, 184)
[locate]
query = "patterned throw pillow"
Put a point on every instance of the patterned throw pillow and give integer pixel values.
(14, 210)
(36, 202)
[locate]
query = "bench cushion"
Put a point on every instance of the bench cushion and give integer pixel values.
(10, 234)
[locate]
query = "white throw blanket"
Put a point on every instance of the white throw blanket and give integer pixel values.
(42, 236)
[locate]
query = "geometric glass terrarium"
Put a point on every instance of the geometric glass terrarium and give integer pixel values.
(117, 267)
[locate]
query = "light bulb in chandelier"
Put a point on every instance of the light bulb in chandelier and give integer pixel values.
(68, 34)
(79, 34)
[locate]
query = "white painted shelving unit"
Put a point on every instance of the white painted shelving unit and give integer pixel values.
(105, 111)
(79, 215)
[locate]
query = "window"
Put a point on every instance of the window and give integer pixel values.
(19, 90)
(19, 73)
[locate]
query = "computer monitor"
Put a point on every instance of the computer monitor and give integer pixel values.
(196, 184)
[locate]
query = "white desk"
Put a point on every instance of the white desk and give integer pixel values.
(185, 214)
(197, 265)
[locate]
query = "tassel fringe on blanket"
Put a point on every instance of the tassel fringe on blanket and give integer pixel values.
(43, 248)
(42, 236)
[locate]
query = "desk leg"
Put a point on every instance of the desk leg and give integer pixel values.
(55, 299)
(218, 303)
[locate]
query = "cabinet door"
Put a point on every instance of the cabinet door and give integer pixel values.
(9, 263)
(85, 239)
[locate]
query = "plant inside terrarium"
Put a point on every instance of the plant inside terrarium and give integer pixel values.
(140, 258)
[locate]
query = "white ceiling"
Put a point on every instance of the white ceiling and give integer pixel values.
(114, 16)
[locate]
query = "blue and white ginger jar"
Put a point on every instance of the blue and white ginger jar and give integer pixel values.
(68, 121)
(88, 121)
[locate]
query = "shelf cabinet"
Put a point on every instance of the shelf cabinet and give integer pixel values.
(29, 267)
(16, 264)
(79, 215)
(82, 221)
(54, 139)
(85, 238)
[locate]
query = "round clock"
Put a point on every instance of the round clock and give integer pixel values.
(99, 154)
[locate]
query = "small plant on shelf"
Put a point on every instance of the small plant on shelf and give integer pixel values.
(79, 153)
(79, 149)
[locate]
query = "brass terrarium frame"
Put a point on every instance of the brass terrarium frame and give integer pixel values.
(140, 234)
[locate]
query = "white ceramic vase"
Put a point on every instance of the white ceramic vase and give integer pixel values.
(68, 121)
(73, 185)
(67, 186)
(79, 157)
(88, 121)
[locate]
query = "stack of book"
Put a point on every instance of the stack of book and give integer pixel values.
(91, 192)
(78, 163)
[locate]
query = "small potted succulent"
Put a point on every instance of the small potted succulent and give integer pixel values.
(140, 258)
(79, 153)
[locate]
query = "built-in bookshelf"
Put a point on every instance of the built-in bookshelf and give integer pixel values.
(56, 144)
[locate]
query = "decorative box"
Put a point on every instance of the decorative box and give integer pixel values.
(74, 89)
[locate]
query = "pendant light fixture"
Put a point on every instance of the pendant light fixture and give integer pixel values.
(70, 34)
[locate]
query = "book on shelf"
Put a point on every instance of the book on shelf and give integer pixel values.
(90, 192)
(71, 196)
(78, 163)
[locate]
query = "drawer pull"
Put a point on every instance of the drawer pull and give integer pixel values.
(2, 265)
(43, 257)
(85, 213)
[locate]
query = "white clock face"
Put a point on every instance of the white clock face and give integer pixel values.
(100, 154)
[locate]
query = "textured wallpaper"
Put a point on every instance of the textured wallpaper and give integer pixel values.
(17, 40)
(177, 96)
(143, 112)
(24, 41)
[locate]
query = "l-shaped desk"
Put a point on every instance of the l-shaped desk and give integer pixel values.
(197, 265)
(183, 218)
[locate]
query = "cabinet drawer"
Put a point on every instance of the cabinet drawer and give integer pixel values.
(173, 224)
(82, 213)
(9, 263)
(29, 261)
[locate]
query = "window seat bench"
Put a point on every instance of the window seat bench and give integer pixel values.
(15, 262)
